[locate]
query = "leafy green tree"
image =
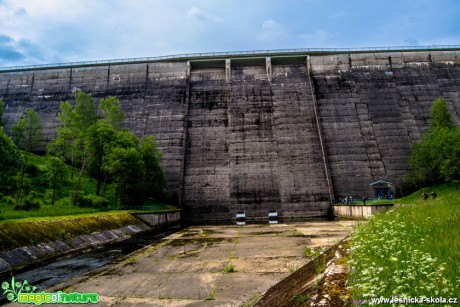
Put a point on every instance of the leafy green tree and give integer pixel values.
(126, 168)
(28, 131)
(437, 156)
(85, 114)
(440, 116)
(155, 180)
(9, 162)
(111, 113)
(54, 174)
(100, 139)
(420, 169)
(67, 144)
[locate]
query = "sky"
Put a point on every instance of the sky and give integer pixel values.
(57, 31)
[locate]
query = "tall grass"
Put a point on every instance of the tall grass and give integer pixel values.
(411, 251)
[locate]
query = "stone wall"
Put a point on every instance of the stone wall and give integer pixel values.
(242, 134)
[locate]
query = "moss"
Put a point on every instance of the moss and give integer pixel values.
(32, 231)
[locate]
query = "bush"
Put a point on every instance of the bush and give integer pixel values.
(82, 201)
(8, 200)
(98, 201)
(64, 202)
(32, 170)
(92, 201)
(29, 204)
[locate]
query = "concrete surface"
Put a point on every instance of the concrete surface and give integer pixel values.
(187, 268)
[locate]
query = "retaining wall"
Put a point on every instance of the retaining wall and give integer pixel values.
(359, 211)
(69, 242)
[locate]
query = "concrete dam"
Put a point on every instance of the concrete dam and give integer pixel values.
(289, 131)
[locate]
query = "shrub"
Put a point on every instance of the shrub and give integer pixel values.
(32, 170)
(8, 200)
(29, 204)
(98, 201)
(82, 201)
(92, 201)
(63, 202)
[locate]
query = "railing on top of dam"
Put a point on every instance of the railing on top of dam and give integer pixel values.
(204, 55)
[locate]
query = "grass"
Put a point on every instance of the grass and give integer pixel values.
(299, 298)
(40, 192)
(372, 202)
(412, 250)
(211, 296)
(311, 252)
(229, 268)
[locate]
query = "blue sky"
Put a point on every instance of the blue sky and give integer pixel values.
(54, 31)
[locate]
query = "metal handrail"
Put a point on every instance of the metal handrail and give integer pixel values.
(230, 53)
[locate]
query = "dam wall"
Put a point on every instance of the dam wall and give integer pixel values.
(284, 132)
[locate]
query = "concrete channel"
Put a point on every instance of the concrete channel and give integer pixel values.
(225, 265)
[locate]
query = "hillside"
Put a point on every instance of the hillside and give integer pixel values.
(410, 251)
(39, 198)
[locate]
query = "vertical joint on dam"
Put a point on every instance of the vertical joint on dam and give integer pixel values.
(228, 70)
(320, 134)
(268, 68)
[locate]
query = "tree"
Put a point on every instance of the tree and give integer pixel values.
(84, 113)
(54, 174)
(9, 162)
(440, 116)
(67, 144)
(125, 168)
(155, 180)
(111, 113)
(28, 131)
(98, 143)
(437, 156)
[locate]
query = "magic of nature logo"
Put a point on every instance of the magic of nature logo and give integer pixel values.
(24, 293)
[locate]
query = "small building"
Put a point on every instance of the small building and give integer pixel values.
(383, 189)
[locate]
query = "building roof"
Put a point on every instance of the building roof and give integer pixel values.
(380, 182)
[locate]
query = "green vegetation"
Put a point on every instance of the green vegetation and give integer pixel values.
(311, 252)
(435, 158)
(229, 268)
(299, 298)
(41, 192)
(211, 296)
(31, 231)
(113, 168)
(411, 250)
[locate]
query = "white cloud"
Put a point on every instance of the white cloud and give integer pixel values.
(84, 30)
(196, 12)
(272, 30)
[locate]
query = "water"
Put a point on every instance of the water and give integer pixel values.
(63, 269)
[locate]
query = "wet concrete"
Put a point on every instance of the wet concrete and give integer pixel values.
(62, 269)
(193, 267)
